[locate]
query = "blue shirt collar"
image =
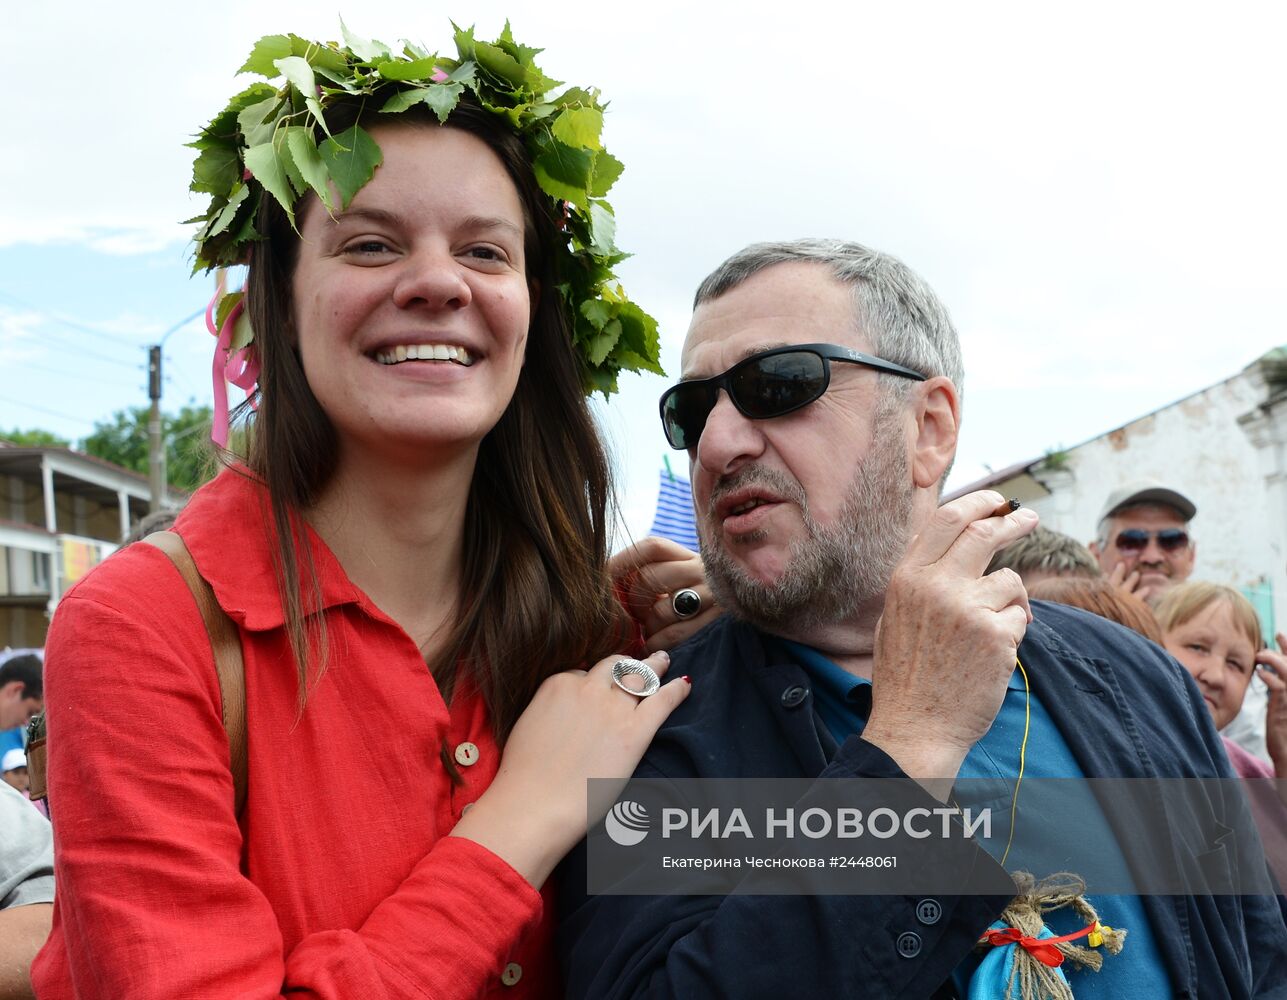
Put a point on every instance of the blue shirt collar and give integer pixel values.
(839, 682)
(824, 674)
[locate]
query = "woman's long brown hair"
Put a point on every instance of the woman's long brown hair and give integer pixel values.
(535, 597)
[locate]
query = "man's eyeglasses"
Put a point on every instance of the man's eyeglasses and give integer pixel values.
(768, 384)
(1168, 539)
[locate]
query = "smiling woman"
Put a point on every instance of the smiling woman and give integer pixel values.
(1215, 634)
(418, 528)
(411, 264)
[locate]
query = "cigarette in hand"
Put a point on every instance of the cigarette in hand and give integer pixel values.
(1009, 507)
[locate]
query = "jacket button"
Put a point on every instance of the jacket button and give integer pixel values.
(928, 911)
(467, 754)
(793, 697)
(512, 974)
(908, 944)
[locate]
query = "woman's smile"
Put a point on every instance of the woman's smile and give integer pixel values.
(422, 281)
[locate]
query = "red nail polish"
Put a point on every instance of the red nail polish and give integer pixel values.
(687, 678)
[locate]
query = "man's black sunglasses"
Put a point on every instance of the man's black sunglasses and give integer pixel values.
(1168, 539)
(767, 384)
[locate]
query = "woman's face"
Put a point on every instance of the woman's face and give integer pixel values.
(1218, 654)
(412, 305)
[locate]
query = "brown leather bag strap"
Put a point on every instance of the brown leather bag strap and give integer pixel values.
(36, 759)
(225, 643)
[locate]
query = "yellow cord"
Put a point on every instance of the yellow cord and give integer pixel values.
(1023, 756)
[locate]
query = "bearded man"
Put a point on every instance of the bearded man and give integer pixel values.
(820, 406)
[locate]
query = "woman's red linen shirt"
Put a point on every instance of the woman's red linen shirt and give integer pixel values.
(341, 879)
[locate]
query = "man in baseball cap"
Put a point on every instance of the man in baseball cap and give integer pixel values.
(1143, 542)
(13, 768)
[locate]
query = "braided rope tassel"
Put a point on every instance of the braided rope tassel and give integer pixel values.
(1035, 973)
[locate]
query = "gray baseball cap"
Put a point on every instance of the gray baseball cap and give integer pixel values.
(1148, 491)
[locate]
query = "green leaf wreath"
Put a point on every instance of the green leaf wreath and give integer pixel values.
(266, 143)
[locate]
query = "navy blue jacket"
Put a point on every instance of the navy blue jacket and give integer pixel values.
(1124, 707)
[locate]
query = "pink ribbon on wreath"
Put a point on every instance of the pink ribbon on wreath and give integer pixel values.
(240, 367)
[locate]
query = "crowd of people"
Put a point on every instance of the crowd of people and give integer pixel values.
(331, 734)
(1138, 571)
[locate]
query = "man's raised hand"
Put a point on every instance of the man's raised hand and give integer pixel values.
(947, 640)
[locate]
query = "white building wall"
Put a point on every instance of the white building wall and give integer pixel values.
(1198, 447)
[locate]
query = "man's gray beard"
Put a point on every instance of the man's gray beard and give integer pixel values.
(832, 571)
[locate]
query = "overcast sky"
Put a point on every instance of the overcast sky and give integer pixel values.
(1095, 190)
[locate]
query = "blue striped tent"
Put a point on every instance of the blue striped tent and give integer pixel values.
(674, 517)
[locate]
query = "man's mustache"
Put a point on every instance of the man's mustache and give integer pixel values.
(772, 481)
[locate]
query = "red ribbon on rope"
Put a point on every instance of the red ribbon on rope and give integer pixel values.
(1042, 949)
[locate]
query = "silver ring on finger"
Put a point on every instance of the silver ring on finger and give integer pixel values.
(686, 603)
(623, 668)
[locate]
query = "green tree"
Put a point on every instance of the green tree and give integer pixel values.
(122, 439)
(34, 438)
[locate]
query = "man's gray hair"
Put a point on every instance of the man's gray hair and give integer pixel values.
(1046, 551)
(899, 313)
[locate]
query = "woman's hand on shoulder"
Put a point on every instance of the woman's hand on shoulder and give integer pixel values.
(580, 725)
(648, 575)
